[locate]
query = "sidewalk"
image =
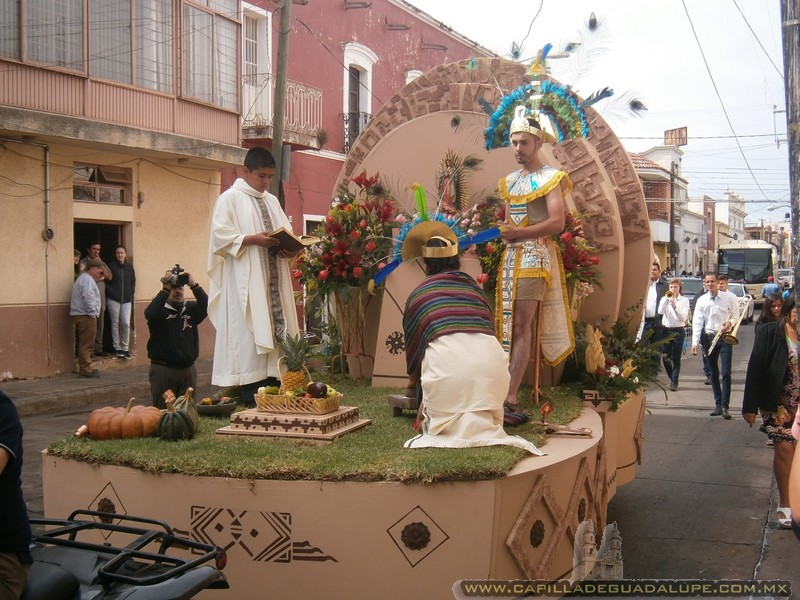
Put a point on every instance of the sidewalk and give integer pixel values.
(118, 382)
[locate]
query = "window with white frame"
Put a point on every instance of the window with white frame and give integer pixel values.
(100, 183)
(256, 64)
(210, 52)
(357, 86)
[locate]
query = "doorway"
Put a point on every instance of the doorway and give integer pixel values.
(109, 235)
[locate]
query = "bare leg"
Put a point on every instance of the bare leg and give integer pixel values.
(537, 354)
(782, 465)
(524, 310)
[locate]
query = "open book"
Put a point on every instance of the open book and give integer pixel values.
(290, 242)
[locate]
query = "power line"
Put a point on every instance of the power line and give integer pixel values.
(769, 58)
(716, 91)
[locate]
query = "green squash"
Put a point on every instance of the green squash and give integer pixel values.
(175, 424)
(187, 405)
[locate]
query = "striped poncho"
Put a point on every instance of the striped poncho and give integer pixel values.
(445, 303)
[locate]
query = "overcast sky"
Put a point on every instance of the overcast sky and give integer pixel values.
(649, 49)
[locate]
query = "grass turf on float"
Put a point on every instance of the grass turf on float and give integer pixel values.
(374, 453)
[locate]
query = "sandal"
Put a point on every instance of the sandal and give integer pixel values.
(512, 415)
(784, 517)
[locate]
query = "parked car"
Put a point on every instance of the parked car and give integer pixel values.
(786, 278)
(692, 288)
(744, 298)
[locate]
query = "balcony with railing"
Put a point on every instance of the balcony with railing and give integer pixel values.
(302, 110)
(354, 123)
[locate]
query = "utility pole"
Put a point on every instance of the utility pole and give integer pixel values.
(790, 19)
(279, 117)
(673, 262)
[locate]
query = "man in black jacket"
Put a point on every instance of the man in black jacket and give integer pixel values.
(652, 320)
(174, 343)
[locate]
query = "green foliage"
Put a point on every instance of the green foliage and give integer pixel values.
(296, 351)
(374, 453)
(619, 346)
(356, 241)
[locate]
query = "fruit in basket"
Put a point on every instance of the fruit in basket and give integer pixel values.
(317, 389)
(330, 393)
(206, 401)
(295, 351)
(269, 389)
(225, 400)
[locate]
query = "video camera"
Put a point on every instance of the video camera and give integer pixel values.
(177, 276)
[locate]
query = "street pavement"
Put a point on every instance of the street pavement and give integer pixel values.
(702, 505)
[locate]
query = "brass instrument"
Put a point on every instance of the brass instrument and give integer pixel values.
(669, 294)
(713, 343)
(730, 336)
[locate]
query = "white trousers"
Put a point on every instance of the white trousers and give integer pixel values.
(120, 317)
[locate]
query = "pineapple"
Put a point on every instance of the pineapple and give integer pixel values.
(295, 350)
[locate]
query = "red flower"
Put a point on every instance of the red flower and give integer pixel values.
(362, 223)
(355, 234)
(482, 278)
(595, 260)
(297, 273)
(323, 275)
(489, 249)
(357, 272)
(566, 236)
(370, 246)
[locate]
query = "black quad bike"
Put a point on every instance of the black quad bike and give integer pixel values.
(153, 565)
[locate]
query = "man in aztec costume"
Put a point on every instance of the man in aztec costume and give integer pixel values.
(448, 315)
(531, 286)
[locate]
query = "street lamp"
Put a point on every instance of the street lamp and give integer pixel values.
(787, 215)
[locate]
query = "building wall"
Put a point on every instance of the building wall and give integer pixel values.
(171, 225)
(320, 32)
(653, 191)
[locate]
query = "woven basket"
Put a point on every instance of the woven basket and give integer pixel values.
(278, 403)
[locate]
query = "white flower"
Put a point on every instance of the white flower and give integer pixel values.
(613, 371)
(635, 380)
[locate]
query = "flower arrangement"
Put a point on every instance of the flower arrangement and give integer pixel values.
(579, 256)
(615, 364)
(356, 240)
(478, 218)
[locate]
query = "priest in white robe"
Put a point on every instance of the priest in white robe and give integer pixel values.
(251, 301)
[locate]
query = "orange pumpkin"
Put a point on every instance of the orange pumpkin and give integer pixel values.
(110, 423)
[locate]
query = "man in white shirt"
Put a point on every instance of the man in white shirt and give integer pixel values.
(716, 312)
(674, 311)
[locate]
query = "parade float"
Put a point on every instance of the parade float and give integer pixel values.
(295, 534)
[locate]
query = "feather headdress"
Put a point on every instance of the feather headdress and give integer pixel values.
(424, 224)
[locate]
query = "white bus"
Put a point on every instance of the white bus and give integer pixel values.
(750, 262)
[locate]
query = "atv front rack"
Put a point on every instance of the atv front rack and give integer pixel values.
(131, 564)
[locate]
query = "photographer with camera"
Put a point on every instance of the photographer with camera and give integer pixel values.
(174, 343)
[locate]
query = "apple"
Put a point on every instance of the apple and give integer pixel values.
(317, 389)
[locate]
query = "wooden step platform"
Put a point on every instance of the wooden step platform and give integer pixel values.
(318, 428)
